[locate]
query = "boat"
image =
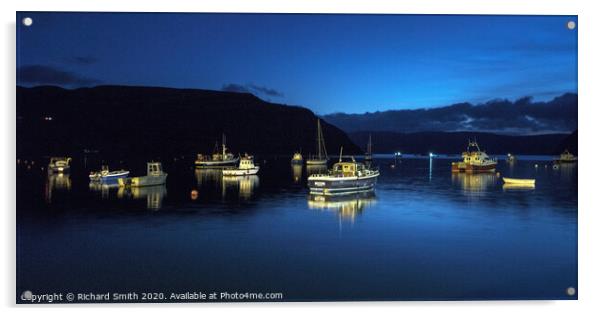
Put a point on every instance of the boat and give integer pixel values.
(59, 164)
(154, 176)
(368, 155)
(219, 158)
(246, 167)
(322, 157)
(297, 159)
(344, 178)
(566, 157)
(106, 175)
(474, 160)
(522, 182)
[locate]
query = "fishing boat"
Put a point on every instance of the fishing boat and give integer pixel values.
(322, 157)
(219, 158)
(566, 157)
(514, 181)
(297, 159)
(368, 155)
(59, 164)
(106, 175)
(474, 160)
(154, 176)
(246, 167)
(344, 178)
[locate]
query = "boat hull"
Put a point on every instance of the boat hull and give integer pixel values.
(317, 162)
(326, 185)
(471, 168)
(143, 181)
(296, 161)
(240, 172)
(519, 182)
(55, 169)
(215, 163)
(109, 177)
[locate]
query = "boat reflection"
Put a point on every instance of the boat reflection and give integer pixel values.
(517, 187)
(474, 184)
(347, 207)
(103, 187)
(297, 172)
(154, 195)
(56, 182)
(208, 177)
(245, 186)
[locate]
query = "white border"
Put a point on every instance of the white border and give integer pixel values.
(590, 102)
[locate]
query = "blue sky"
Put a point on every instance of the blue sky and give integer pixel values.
(328, 63)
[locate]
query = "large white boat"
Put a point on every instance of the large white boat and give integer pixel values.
(246, 167)
(474, 160)
(344, 178)
(321, 158)
(59, 164)
(154, 176)
(106, 175)
(219, 158)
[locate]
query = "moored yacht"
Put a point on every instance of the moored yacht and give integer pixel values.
(220, 157)
(246, 167)
(297, 159)
(321, 158)
(154, 176)
(566, 157)
(59, 164)
(106, 175)
(474, 160)
(344, 178)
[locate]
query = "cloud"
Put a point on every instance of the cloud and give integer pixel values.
(42, 74)
(521, 117)
(233, 87)
(266, 90)
(81, 60)
(252, 88)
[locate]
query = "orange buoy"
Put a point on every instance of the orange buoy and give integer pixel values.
(194, 194)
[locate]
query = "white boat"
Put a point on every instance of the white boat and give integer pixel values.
(218, 159)
(59, 164)
(344, 178)
(514, 181)
(154, 176)
(106, 175)
(246, 167)
(322, 156)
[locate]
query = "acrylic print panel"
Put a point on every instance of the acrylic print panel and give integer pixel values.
(295, 157)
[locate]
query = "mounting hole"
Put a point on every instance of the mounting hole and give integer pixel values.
(570, 291)
(27, 21)
(571, 25)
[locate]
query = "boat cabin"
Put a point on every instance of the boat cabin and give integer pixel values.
(347, 169)
(154, 168)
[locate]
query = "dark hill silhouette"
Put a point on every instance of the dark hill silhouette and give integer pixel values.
(151, 122)
(455, 142)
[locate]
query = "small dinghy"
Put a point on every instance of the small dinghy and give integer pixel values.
(519, 182)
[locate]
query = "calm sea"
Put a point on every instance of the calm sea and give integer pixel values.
(425, 234)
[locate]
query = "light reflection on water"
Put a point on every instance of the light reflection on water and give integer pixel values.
(424, 234)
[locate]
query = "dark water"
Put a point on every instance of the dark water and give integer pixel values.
(424, 234)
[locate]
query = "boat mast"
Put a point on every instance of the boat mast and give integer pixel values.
(369, 144)
(223, 146)
(321, 144)
(341, 154)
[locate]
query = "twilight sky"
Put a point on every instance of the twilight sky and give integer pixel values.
(328, 63)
